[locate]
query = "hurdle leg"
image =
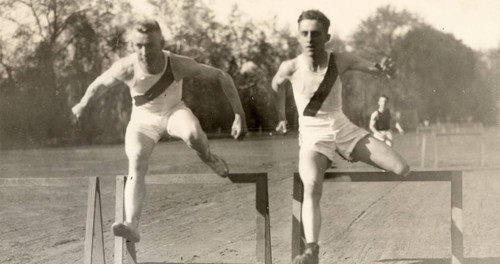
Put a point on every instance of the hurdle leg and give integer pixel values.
(94, 224)
(423, 150)
(417, 136)
(435, 151)
(298, 244)
(481, 154)
(119, 215)
(457, 240)
(263, 227)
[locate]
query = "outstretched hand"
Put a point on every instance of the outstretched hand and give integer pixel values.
(77, 111)
(388, 67)
(239, 128)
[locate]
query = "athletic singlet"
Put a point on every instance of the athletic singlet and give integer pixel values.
(305, 83)
(383, 120)
(130, 72)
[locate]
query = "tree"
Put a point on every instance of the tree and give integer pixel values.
(440, 73)
(376, 37)
(55, 49)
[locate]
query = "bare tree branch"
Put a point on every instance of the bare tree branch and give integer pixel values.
(37, 19)
(65, 45)
(7, 68)
(55, 23)
(66, 21)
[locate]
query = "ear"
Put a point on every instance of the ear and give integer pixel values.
(328, 37)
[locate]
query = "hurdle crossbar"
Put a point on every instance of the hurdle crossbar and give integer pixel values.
(263, 225)
(454, 177)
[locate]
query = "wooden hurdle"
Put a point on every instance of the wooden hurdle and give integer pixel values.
(94, 224)
(454, 177)
(94, 227)
(448, 135)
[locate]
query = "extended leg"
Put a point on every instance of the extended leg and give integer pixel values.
(312, 167)
(138, 148)
(376, 153)
(184, 125)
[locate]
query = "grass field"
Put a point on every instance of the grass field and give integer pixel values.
(43, 220)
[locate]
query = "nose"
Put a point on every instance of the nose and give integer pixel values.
(141, 50)
(309, 37)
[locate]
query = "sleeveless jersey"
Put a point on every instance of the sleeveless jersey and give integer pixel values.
(130, 72)
(383, 120)
(306, 82)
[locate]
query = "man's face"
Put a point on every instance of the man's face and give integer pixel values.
(381, 102)
(148, 47)
(312, 36)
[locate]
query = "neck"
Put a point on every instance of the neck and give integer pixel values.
(316, 60)
(155, 67)
(381, 109)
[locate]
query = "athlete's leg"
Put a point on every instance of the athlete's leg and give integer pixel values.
(138, 148)
(389, 139)
(376, 153)
(312, 167)
(184, 125)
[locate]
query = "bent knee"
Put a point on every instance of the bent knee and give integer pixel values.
(190, 134)
(313, 190)
(402, 169)
(138, 160)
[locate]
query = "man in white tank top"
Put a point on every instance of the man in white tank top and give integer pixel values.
(324, 129)
(155, 80)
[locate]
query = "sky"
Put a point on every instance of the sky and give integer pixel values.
(475, 22)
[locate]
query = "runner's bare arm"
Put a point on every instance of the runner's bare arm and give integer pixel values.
(190, 68)
(279, 79)
(373, 119)
(399, 128)
(94, 89)
(351, 62)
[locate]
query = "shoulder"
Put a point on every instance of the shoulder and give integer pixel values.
(183, 66)
(289, 67)
(374, 114)
(343, 59)
(123, 68)
(180, 60)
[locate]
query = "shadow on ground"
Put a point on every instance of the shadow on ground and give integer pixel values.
(444, 261)
(188, 263)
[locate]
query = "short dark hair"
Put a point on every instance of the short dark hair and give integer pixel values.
(315, 14)
(384, 96)
(146, 25)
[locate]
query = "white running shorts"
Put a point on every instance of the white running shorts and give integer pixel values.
(153, 125)
(330, 133)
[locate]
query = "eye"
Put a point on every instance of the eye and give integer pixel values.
(315, 34)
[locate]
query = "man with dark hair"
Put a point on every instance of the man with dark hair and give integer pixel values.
(381, 122)
(155, 78)
(324, 129)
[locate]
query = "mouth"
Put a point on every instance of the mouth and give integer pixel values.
(147, 60)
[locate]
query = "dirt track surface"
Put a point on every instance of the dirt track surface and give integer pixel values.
(43, 221)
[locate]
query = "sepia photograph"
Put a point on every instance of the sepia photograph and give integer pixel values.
(238, 131)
